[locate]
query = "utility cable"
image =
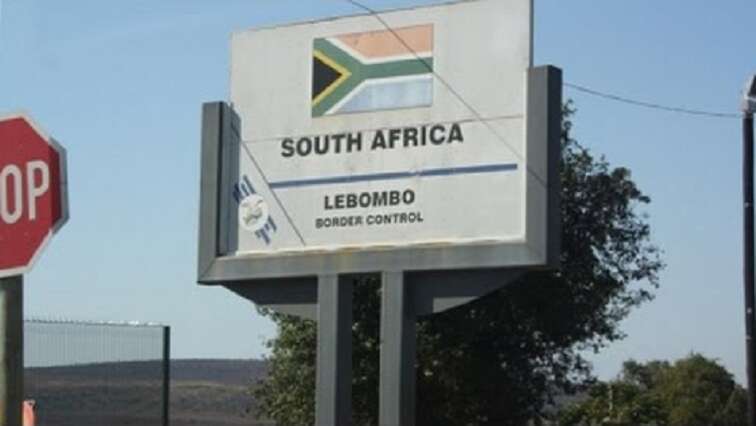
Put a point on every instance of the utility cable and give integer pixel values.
(650, 105)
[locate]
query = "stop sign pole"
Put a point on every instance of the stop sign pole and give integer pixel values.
(33, 206)
(11, 330)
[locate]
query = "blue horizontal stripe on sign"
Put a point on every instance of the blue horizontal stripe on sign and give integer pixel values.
(449, 171)
(379, 95)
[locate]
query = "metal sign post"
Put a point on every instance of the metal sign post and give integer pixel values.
(749, 107)
(398, 352)
(11, 333)
(333, 395)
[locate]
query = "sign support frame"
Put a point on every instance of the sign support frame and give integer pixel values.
(333, 396)
(398, 352)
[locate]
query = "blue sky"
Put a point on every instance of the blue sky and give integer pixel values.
(120, 84)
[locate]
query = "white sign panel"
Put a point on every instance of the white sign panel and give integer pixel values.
(404, 131)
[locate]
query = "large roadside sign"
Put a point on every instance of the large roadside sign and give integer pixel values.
(411, 142)
(33, 192)
(418, 144)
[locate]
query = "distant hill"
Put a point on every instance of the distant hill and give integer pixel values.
(203, 392)
(231, 372)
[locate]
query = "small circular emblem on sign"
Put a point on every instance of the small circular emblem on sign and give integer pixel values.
(253, 213)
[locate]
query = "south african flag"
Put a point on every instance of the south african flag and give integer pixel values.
(372, 71)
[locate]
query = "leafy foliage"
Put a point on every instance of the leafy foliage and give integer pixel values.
(287, 395)
(694, 391)
(615, 403)
(500, 359)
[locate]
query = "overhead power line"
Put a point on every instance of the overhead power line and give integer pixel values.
(651, 105)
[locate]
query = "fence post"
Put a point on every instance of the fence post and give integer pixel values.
(166, 375)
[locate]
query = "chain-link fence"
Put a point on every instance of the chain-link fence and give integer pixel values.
(98, 374)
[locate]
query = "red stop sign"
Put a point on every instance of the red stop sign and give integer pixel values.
(32, 192)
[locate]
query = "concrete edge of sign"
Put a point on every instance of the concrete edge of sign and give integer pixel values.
(430, 291)
(477, 270)
(235, 268)
(209, 182)
(64, 213)
(544, 87)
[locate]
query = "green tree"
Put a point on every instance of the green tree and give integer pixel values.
(500, 359)
(735, 412)
(615, 403)
(694, 391)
